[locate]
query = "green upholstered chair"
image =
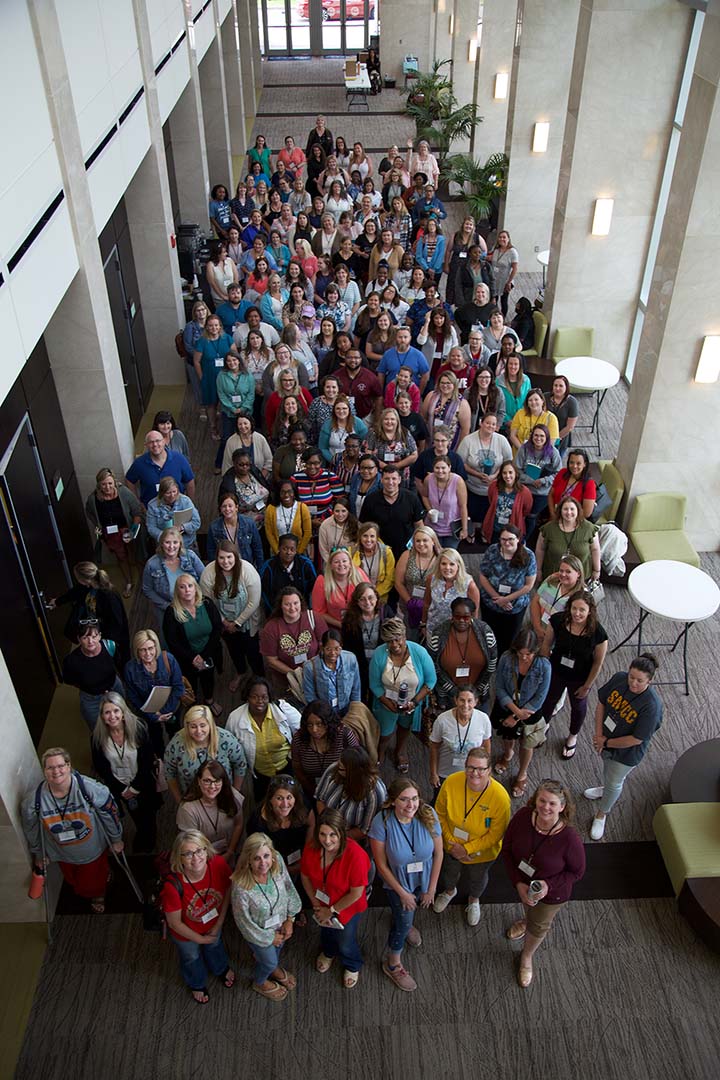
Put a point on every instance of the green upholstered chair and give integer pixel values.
(572, 341)
(657, 528)
(541, 328)
(688, 835)
(613, 481)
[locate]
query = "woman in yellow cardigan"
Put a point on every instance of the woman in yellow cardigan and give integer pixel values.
(375, 558)
(533, 412)
(288, 515)
(474, 812)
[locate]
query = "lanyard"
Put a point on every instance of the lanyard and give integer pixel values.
(369, 566)
(410, 841)
(231, 536)
(65, 804)
(265, 897)
(369, 632)
(463, 654)
(197, 892)
(539, 843)
(287, 517)
(120, 754)
(396, 671)
(214, 823)
(461, 744)
(572, 537)
(468, 812)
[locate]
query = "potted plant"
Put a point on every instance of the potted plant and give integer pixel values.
(484, 185)
(438, 115)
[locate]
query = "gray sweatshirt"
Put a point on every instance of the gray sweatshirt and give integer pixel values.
(72, 830)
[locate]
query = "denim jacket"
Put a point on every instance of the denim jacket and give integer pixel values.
(156, 584)
(534, 687)
(320, 684)
(160, 517)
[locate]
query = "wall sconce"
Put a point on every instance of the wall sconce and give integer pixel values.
(602, 217)
(501, 85)
(708, 369)
(541, 134)
(452, 24)
(472, 50)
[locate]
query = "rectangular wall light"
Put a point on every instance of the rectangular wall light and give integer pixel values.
(472, 50)
(501, 85)
(541, 134)
(708, 369)
(602, 216)
(452, 25)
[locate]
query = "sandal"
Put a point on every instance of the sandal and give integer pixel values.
(285, 978)
(517, 931)
(350, 979)
(301, 919)
(275, 992)
(519, 787)
(525, 976)
(215, 709)
(228, 979)
(403, 767)
(202, 999)
(97, 905)
(127, 591)
(324, 963)
(502, 765)
(568, 752)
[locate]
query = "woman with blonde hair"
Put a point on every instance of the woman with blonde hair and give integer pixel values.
(113, 510)
(200, 740)
(286, 383)
(192, 628)
(449, 581)
(94, 599)
(333, 588)
(392, 444)
(375, 558)
(447, 406)
(162, 570)
(413, 570)
(265, 903)
(152, 667)
(195, 898)
(168, 502)
(124, 759)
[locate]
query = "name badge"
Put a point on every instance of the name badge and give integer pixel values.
(462, 672)
(351, 400)
(314, 510)
(545, 618)
(504, 590)
(392, 695)
(610, 724)
(460, 834)
(439, 422)
(66, 836)
(567, 661)
(458, 761)
(272, 922)
(111, 530)
(462, 254)
(333, 702)
(526, 868)
(388, 455)
(414, 868)
(441, 515)
(259, 504)
(157, 487)
(236, 399)
(293, 857)
(209, 916)
(369, 653)
(219, 362)
(419, 591)
(301, 658)
(322, 896)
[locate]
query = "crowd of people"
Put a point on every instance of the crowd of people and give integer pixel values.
(371, 413)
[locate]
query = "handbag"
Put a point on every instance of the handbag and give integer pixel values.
(188, 694)
(534, 734)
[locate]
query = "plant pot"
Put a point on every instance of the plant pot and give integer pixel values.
(417, 99)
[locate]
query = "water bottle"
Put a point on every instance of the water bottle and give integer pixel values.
(403, 695)
(37, 882)
(534, 888)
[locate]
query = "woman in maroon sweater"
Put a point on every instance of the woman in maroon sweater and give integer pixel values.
(541, 847)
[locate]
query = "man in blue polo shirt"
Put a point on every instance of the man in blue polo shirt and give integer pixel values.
(147, 471)
(232, 312)
(404, 355)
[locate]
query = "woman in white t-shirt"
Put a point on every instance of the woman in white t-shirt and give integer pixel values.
(455, 733)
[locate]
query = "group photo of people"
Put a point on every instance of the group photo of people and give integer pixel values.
(326, 630)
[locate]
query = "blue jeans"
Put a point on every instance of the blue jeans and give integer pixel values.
(614, 776)
(90, 704)
(343, 943)
(267, 958)
(196, 960)
(449, 542)
(402, 920)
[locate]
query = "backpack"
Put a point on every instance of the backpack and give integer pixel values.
(154, 920)
(180, 346)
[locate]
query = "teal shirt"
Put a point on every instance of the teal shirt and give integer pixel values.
(198, 630)
(240, 386)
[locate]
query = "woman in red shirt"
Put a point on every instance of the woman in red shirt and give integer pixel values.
(195, 898)
(334, 871)
(574, 480)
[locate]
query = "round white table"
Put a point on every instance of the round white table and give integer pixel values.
(543, 257)
(589, 375)
(675, 591)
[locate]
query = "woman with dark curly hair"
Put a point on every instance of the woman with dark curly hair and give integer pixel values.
(318, 743)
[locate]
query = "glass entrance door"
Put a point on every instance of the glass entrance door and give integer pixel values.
(316, 27)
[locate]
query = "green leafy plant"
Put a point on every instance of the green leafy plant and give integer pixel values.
(484, 185)
(437, 113)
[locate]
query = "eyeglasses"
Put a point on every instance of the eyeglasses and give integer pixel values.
(210, 781)
(198, 853)
(474, 771)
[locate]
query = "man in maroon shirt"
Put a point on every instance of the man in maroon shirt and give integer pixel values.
(360, 384)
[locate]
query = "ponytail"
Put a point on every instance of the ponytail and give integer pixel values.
(646, 663)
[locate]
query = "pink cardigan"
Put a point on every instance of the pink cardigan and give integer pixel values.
(521, 507)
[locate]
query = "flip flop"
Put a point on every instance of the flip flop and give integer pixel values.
(350, 979)
(228, 979)
(502, 765)
(519, 788)
(517, 931)
(568, 752)
(200, 1000)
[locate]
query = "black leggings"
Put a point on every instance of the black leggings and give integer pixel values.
(244, 648)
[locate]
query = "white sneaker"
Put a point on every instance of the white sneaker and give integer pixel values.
(442, 900)
(598, 828)
(594, 792)
(473, 913)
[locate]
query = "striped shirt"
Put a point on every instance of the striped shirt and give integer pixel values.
(357, 815)
(318, 493)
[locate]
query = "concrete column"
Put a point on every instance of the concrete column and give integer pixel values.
(463, 69)
(249, 59)
(495, 56)
(230, 37)
(215, 118)
(408, 28)
(20, 775)
(80, 337)
(149, 210)
(189, 154)
(659, 449)
(539, 93)
(623, 87)
(255, 52)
